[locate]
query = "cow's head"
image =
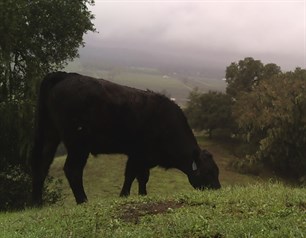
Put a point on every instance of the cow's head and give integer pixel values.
(205, 172)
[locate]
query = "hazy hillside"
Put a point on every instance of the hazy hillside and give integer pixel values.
(141, 73)
(188, 64)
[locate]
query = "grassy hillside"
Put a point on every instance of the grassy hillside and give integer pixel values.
(245, 207)
(267, 210)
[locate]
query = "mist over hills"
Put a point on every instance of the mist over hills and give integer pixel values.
(166, 62)
(195, 39)
(172, 73)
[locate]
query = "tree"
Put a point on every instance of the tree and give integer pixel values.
(244, 75)
(270, 70)
(209, 111)
(37, 37)
(273, 119)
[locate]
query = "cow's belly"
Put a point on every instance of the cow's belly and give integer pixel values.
(112, 145)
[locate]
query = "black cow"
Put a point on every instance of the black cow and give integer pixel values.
(99, 117)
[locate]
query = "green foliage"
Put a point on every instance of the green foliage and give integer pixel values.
(269, 110)
(209, 111)
(37, 37)
(15, 189)
(15, 185)
(16, 127)
(244, 75)
(53, 190)
(270, 210)
(273, 119)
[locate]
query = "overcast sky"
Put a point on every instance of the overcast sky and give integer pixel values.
(219, 31)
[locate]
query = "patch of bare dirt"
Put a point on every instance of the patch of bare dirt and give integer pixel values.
(134, 211)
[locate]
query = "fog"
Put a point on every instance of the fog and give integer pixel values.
(198, 35)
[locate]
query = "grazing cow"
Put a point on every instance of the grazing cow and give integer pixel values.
(99, 117)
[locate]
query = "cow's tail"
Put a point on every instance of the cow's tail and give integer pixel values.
(41, 115)
(41, 124)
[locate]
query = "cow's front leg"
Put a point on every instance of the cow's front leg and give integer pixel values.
(130, 175)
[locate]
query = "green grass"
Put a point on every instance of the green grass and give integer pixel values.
(266, 210)
(246, 206)
(104, 175)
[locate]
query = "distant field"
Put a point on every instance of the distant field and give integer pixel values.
(207, 84)
(173, 85)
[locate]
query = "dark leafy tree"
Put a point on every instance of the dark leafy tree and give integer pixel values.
(241, 76)
(273, 118)
(209, 111)
(244, 75)
(270, 70)
(36, 37)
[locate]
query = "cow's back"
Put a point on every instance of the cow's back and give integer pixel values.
(110, 118)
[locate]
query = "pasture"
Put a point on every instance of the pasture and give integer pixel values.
(246, 206)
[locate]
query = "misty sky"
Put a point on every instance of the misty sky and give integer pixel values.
(217, 32)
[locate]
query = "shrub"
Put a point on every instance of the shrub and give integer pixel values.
(15, 185)
(15, 189)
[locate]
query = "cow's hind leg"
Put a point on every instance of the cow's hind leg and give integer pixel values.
(42, 158)
(143, 178)
(73, 168)
(130, 175)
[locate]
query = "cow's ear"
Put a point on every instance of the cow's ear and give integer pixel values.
(194, 166)
(195, 159)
